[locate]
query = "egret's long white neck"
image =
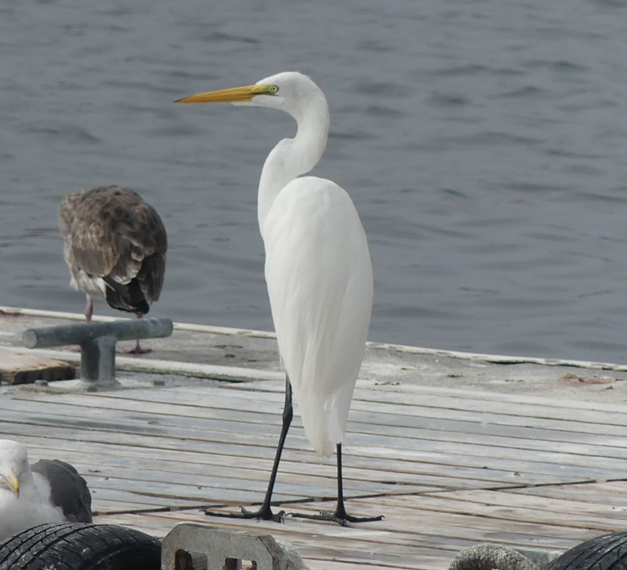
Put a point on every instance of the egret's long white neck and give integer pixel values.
(294, 157)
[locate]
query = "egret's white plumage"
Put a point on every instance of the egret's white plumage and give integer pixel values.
(319, 280)
(48, 491)
(318, 267)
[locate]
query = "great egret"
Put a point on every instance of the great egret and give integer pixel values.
(115, 247)
(48, 491)
(318, 271)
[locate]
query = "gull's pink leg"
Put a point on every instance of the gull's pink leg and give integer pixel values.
(137, 349)
(89, 309)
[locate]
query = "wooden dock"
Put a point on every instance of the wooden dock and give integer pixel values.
(447, 467)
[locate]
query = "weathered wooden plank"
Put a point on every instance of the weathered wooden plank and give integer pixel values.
(355, 467)
(317, 564)
(611, 425)
(554, 401)
(614, 453)
(221, 479)
(349, 553)
(461, 401)
(411, 515)
(555, 464)
(380, 441)
(244, 470)
(143, 422)
(590, 520)
(118, 438)
(122, 500)
(567, 509)
(187, 492)
(214, 465)
(389, 541)
(391, 445)
(604, 493)
(407, 526)
(352, 552)
(415, 394)
(556, 471)
(27, 368)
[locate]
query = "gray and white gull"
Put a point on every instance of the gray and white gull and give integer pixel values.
(47, 491)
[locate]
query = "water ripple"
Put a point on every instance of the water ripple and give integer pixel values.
(483, 143)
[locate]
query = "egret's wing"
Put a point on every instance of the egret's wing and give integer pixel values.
(320, 285)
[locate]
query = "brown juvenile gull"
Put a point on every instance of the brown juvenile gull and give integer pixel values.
(48, 491)
(115, 247)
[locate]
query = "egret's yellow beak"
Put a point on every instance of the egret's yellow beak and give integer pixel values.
(233, 95)
(13, 482)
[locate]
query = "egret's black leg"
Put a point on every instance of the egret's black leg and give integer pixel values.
(265, 512)
(340, 511)
(340, 515)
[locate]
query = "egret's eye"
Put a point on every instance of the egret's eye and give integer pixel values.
(274, 89)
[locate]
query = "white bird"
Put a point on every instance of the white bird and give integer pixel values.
(48, 491)
(115, 246)
(318, 270)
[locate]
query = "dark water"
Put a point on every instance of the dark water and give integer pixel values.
(484, 144)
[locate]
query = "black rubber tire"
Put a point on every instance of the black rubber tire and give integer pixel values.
(607, 552)
(80, 546)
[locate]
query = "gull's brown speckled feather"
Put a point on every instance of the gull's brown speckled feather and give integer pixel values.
(115, 246)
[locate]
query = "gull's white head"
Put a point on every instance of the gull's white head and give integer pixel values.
(13, 465)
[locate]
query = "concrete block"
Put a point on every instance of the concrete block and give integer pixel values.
(195, 547)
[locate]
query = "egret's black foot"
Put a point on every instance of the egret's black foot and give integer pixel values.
(336, 517)
(263, 514)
